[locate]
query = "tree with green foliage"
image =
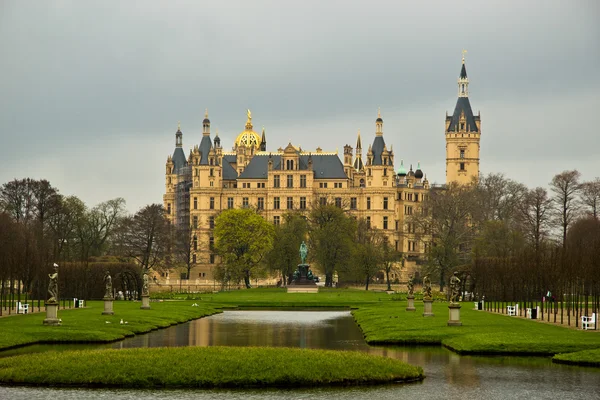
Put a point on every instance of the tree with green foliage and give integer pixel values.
(332, 235)
(243, 238)
(283, 257)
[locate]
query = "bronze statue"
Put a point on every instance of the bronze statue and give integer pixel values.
(108, 292)
(426, 288)
(410, 285)
(454, 287)
(53, 286)
(303, 252)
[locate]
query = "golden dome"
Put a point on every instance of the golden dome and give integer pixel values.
(248, 137)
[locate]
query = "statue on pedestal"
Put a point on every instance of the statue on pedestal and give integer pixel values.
(426, 288)
(108, 292)
(145, 291)
(53, 286)
(454, 288)
(303, 252)
(410, 285)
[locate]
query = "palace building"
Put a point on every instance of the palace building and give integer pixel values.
(275, 181)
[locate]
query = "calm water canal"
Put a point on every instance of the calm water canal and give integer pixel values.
(449, 376)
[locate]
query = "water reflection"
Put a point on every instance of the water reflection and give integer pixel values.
(449, 376)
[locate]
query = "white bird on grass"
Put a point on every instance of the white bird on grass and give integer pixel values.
(108, 322)
(126, 322)
(121, 321)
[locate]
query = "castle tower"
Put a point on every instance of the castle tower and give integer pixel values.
(463, 134)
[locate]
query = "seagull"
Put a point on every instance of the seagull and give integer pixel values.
(126, 322)
(60, 320)
(108, 322)
(121, 321)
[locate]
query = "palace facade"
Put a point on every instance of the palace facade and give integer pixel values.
(211, 179)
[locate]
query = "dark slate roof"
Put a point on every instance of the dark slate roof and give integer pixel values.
(178, 159)
(325, 166)
(463, 104)
(229, 173)
(205, 145)
(257, 167)
(463, 71)
(377, 149)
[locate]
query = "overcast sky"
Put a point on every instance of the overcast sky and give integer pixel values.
(91, 92)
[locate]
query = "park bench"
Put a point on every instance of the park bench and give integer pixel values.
(22, 308)
(587, 321)
(533, 314)
(78, 303)
(512, 310)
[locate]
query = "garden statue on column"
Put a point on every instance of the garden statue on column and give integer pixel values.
(426, 288)
(108, 288)
(108, 294)
(427, 298)
(52, 302)
(53, 286)
(410, 285)
(145, 291)
(454, 306)
(454, 288)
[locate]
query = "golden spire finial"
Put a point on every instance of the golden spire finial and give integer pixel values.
(217, 131)
(379, 112)
(206, 113)
(463, 55)
(178, 125)
(358, 132)
(249, 115)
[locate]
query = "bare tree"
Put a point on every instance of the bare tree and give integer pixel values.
(565, 187)
(534, 213)
(590, 196)
(144, 236)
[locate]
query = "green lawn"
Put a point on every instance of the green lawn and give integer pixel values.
(481, 332)
(204, 367)
(381, 317)
(590, 358)
(89, 325)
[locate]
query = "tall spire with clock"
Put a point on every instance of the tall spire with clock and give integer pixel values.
(463, 134)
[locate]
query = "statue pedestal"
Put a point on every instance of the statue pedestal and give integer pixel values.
(52, 314)
(454, 314)
(428, 308)
(145, 302)
(302, 284)
(411, 303)
(108, 306)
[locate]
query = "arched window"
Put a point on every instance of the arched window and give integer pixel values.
(362, 183)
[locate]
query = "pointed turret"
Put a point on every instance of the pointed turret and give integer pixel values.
(206, 124)
(378, 142)
(178, 159)
(418, 172)
(263, 141)
(358, 162)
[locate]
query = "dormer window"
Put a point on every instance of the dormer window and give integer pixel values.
(462, 126)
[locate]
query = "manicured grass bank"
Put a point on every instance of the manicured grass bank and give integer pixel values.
(204, 367)
(481, 332)
(588, 358)
(89, 325)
